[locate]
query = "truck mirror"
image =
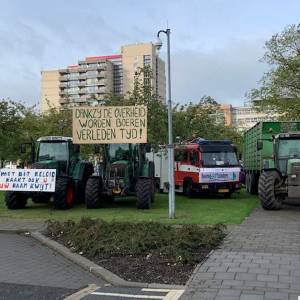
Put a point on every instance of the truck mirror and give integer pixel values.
(23, 148)
(259, 145)
(97, 149)
(76, 149)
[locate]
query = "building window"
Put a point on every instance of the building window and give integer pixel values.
(92, 73)
(73, 90)
(91, 81)
(91, 89)
(147, 60)
(73, 82)
(73, 75)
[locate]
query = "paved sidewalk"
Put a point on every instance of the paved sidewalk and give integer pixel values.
(11, 224)
(259, 260)
(25, 261)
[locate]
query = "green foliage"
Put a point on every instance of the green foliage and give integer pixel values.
(24, 124)
(143, 94)
(279, 89)
(202, 120)
(99, 239)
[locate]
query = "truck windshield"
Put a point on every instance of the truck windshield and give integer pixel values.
(118, 152)
(53, 151)
(289, 148)
(219, 159)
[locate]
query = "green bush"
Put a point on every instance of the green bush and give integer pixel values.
(99, 239)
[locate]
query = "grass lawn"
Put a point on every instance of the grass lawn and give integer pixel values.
(188, 211)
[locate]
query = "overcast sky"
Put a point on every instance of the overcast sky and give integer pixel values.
(215, 44)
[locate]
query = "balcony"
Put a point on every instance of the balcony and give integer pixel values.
(101, 82)
(82, 91)
(63, 85)
(63, 93)
(82, 76)
(64, 78)
(63, 100)
(82, 83)
(63, 71)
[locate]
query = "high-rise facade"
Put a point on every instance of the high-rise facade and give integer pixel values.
(97, 76)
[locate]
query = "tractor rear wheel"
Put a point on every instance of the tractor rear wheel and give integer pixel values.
(93, 191)
(144, 193)
(15, 200)
(268, 180)
(40, 197)
(64, 193)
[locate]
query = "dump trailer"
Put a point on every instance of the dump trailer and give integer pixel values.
(271, 160)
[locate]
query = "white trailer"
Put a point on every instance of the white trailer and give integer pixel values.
(160, 160)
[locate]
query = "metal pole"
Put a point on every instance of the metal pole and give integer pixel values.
(170, 133)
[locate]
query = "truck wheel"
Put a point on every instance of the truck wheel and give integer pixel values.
(40, 198)
(93, 191)
(64, 193)
(266, 190)
(144, 193)
(188, 189)
(15, 200)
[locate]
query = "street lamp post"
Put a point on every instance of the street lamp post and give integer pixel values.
(170, 129)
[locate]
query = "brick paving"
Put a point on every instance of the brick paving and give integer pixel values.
(259, 260)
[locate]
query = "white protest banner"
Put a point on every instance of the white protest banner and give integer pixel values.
(212, 175)
(29, 180)
(110, 124)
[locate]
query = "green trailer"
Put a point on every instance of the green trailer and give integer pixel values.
(271, 158)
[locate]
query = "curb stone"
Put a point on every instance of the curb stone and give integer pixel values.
(94, 268)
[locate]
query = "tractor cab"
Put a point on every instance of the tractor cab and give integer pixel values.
(54, 152)
(287, 152)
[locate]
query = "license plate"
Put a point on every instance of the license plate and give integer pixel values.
(205, 187)
(223, 190)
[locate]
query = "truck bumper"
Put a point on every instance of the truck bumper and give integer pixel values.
(216, 188)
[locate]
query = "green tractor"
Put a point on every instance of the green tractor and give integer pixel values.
(124, 171)
(280, 177)
(55, 152)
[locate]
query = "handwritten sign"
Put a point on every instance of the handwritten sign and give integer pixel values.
(110, 125)
(30, 180)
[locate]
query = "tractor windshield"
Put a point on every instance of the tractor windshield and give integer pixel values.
(289, 148)
(53, 151)
(118, 152)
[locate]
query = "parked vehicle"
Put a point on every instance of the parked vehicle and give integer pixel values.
(55, 152)
(272, 162)
(201, 167)
(124, 171)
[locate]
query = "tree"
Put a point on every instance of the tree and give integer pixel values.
(279, 89)
(144, 94)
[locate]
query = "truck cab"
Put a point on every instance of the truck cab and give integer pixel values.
(207, 167)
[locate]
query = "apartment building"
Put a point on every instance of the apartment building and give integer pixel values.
(94, 77)
(244, 117)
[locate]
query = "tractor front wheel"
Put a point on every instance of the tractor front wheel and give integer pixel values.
(268, 181)
(15, 200)
(144, 193)
(64, 193)
(93, 191)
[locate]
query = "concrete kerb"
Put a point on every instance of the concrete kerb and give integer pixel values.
(94, 268)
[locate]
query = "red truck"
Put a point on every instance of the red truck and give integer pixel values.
(201, 167)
